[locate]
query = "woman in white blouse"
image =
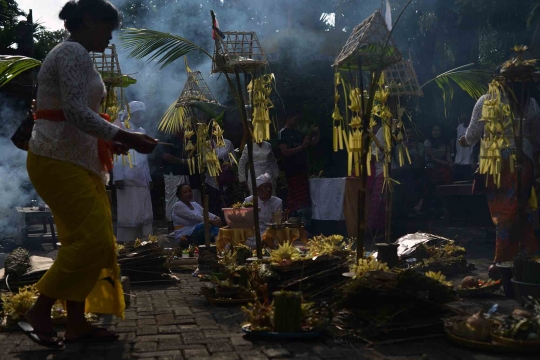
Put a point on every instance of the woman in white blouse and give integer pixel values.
(264, 162)
(188, 218)
(69, 158)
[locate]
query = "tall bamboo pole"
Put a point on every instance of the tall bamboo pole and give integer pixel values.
(249, 143)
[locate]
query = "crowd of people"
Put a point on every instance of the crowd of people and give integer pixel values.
(70, 160)
(439, 160)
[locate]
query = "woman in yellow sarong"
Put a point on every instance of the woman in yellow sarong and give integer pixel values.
(69, 158)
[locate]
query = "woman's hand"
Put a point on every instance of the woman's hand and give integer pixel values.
(215, 222)
(119, 148)
(140, 142)
(463, 142)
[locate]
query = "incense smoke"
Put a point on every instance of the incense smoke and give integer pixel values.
(15, 187)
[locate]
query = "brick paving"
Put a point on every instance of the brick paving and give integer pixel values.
(174, 322)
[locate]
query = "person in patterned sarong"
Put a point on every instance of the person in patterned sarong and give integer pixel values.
(503, 200)
(293, 146)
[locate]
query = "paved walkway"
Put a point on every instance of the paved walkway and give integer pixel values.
(175, 322)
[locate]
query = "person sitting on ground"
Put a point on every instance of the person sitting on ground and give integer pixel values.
(188, 218)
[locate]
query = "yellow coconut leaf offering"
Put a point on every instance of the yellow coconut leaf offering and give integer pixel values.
(260, 89)
(498, 118)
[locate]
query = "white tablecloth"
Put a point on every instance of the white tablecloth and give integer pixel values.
(327, 197)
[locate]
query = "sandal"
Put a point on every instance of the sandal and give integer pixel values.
(34, 335)
(93, 337)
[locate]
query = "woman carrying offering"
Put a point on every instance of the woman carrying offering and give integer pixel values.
(69, 157)
(503, 200)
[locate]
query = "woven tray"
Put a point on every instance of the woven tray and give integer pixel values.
(229, 301)
(481, 291)
(522, 344)
(508, 347)
(279, 336)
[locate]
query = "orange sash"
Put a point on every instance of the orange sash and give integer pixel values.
(104, 147)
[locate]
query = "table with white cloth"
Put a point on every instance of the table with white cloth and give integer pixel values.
(336, 199)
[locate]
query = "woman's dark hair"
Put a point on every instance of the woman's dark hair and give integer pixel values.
(440, 141)
(179, 189)
(74, 11)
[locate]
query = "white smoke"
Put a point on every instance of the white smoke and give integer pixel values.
(15, 186)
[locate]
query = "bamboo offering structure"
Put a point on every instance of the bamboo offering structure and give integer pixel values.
(108, 66)
(238, 49)
(369, 48)
(401, 79)
(240, 52)
(401, 83)
(182, 116)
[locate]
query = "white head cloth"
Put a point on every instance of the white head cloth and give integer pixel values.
(134, 106)
(263, 179)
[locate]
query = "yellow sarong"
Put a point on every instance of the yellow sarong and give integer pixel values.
(86, 269)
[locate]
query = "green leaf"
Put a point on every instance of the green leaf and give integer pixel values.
(472, 81)
(157, 46)
(209, 109)
(11, 66)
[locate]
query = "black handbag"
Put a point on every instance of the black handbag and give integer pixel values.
(22, 135)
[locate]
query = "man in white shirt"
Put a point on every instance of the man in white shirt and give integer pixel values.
(133, 183)
(464, 164)
(268, 204)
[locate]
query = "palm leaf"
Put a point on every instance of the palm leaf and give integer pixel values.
(173, 119)
(472, 81)
(157, 46)
(534, 15)
(11, 66)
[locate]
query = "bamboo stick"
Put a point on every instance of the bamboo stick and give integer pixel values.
(253, 179)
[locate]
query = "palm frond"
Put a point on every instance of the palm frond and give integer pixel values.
(11, 66)
(472, 81)
(173, 119)
(534, 16)
(157, 46)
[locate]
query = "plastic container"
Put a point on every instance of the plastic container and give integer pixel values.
(523, 290)
(507, 273)
(239, 218)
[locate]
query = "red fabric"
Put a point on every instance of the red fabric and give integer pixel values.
(214, 26)
(298, 196)
(104, 147)
(503, 205)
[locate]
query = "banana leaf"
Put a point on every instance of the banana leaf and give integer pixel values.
(11, 66)
(157, 46)
(212, 110)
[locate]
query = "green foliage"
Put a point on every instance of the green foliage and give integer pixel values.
(472, 81)
(9, 14)
(46, 40)
(11, 66)
(157, 46)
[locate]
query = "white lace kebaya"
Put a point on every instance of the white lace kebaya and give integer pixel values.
(68, 81)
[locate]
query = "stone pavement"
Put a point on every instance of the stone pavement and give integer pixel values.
(175, 322)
